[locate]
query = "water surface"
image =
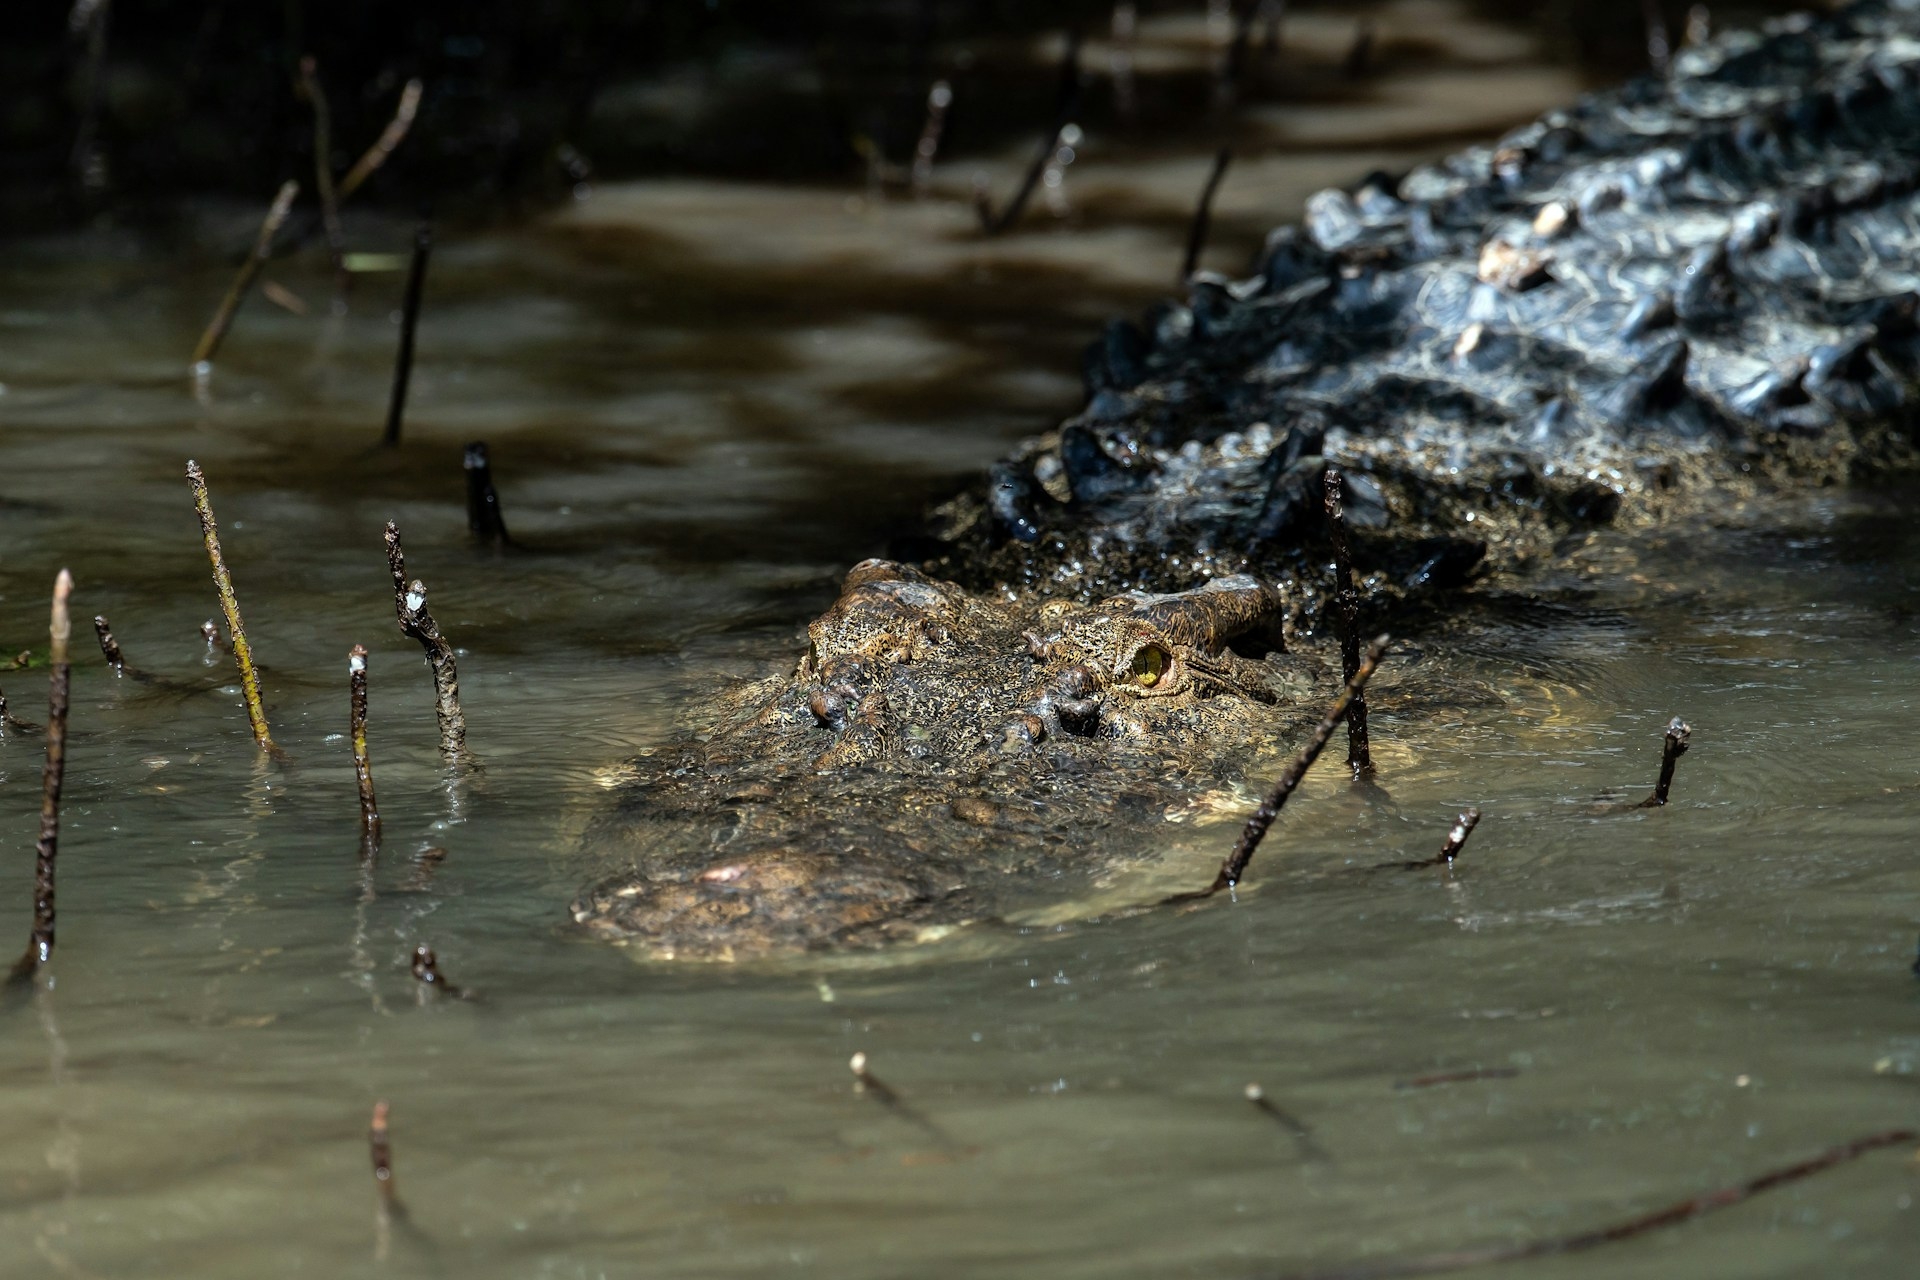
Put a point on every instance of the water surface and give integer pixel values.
(705, 400)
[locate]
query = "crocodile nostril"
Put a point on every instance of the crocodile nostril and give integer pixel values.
(829, 709)
(1075, 681)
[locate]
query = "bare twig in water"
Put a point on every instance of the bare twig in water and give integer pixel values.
(230, 305)
(1069, 102)
(1301, 1134)
(284, 298)
(362, 765)
(1272, 14)
(384, 145)
(1236, 864)
(1659, 51)
(484, 520)
(230, 605)
(410, 604)
(1674, 746)
(1233, 63)
(425, 863)
(109, 647)
(8, 724)
(1699, 26)
(1580, 1242)
(1456, 839)
(1457, 1077)
(1203, 216)
(323, 167)
(1346, 600)
(380, 1150)
(1126, 20)
(864, 1081)
(40, 941)
(1359, 59)
(426, 970)
(409, 317)
(939, 98)
(88, 18)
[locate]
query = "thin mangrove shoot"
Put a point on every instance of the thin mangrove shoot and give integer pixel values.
(47, 850)
(230, 606)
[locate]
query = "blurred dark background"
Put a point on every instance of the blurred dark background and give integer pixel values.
(119, 106)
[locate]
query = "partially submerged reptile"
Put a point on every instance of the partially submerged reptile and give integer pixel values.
(1685, 291)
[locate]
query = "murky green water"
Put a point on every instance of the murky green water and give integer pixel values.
(704, 402)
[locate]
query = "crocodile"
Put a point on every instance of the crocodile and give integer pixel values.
(1657, 303)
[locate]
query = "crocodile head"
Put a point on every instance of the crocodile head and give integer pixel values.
(929, 755)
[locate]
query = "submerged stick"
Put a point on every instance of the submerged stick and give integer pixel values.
(1347, 601)
(1233, 64)
(1674, 746)
(230, 605)
(362, 765)
(217, 327)
(47, 850)
(383, 146)
(1203, 215)
(1457, 1077)
(1301, 1134)
(484, 520)
(409, 317)
(109, 647)
(1580, 1242)
(323, 165)
(8, 724)
(1659, 49)
(994, 225)
(1126, 20)
(1456, 840)
(1360, 53)
(426, 971)
(864, 1081)
(939, 98)
(410, 604)
(380, 1151)
(1263, 817)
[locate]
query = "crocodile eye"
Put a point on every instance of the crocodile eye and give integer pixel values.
(1149, 664)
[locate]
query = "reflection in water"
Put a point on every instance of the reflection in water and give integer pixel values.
(703, 402)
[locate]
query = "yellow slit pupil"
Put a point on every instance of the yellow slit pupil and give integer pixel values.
(1149, 664)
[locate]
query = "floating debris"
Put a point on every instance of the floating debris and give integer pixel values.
(46, 851)
(230, 605)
